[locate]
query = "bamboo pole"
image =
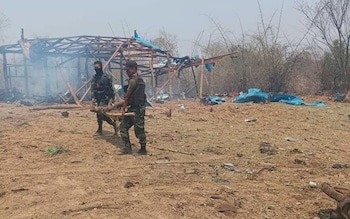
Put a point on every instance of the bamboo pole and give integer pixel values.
(170, 80)
(152, 74)
(77, 101)
(171, 85)
(201, 79)
(211, 82)
(170, 77)
(112, 57)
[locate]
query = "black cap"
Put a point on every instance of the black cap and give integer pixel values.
(130, 64)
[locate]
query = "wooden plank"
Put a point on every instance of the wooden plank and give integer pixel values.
(152, 75)
(201, 79)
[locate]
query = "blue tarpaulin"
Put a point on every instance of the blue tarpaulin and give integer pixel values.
(209, 67)
(253, 95)
(257, 96)
(147, 43)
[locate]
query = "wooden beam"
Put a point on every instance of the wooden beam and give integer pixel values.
(201, 79)
(195, 80)
(152, 74)
(4, 68)
(121, 69)
(211, 82)
(77, 101)
(104, 68)
(47, 79)
(112, 57)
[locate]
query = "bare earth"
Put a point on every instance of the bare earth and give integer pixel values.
(186, 179)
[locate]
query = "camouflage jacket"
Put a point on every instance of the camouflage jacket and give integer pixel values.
(102, 87)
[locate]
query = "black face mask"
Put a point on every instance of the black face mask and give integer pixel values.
(98, 71)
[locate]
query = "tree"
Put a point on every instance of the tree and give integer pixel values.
(4, 22)
(330, 24)
(166, 41)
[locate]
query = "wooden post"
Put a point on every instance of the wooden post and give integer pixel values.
(47, 78)
(77, 101)
(169, 77)
(211, 82)
(26, 77)
(79, 82)
(201, 80)
(195, 80)
(4, 68)
(152, 75)
(121, 69)
(171, 85)
(87, 67)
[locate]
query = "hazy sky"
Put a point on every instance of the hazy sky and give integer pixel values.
(185, 18)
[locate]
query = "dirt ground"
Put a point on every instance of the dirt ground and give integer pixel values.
(183, 176)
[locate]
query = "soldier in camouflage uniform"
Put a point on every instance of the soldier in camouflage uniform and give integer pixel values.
(134, 100)
(102, 95)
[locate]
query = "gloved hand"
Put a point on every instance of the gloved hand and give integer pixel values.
(110, 102)
(93, 102)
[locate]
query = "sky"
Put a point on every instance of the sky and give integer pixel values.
(184, 18)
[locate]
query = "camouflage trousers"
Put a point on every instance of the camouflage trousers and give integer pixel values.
(138, 121)
(102, 117)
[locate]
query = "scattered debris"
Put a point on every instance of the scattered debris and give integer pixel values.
(254, 175)
(312, 184)
(301, 162)
(191, 171)
(129, 185)
(54, 151)
(227, 209)
(211, 109)
(308, 153)
(296, 151)
(63, 106)
(182, 108)
(219, 180)
(100, 206)
(342, 196)
(250, 120)
(324, 214)
(19, 190)
(267, 148)
(175, 151)
(65, 114)
(340, 166)
(168, 113)
(229, 166)
(26, 103)
(290, 139)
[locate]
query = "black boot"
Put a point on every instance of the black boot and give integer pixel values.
(127, 149)
(142, 151)
(115, 129)
(99, 122)
(99, 131)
